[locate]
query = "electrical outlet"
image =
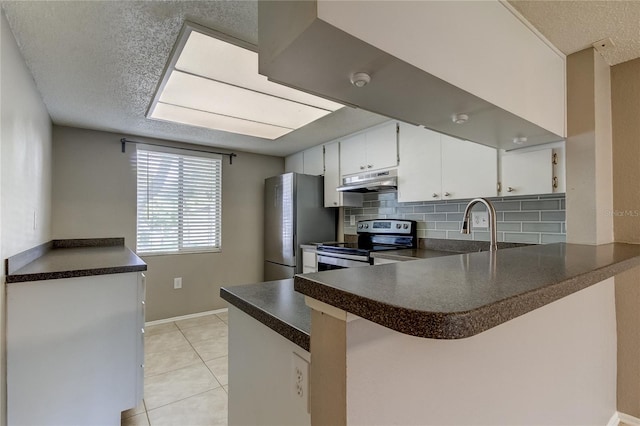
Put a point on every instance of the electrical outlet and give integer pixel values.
(300, 380)
(177, 282)
(480, 219)
(352, 219)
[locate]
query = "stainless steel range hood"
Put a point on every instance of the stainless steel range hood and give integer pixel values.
(370, 182)
(314, 56)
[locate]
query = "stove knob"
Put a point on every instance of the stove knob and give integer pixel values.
(405, 226)
(366, 225)
(398, 226)
(359, 226)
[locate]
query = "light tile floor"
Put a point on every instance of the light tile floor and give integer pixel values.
(185, 374)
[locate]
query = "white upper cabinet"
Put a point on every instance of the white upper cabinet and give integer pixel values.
(373, 149)
(468, 169)
(294, 163)
(483, 47)
(532, 171)
(527, 173)
(309, 162)
(427, 62)
(434, 166)
(313, 161)
(382, 147)
(333, 198)
(353, 157)
(419, 171)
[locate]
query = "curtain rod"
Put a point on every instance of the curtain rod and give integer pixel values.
(125, 141)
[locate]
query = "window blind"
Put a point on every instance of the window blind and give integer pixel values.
(179, 202)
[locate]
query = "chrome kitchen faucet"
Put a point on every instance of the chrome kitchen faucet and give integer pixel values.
(466, 222)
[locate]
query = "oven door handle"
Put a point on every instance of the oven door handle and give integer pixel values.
(341, 262)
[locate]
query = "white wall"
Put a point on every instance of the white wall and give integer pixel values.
(261, 378)
(552, 366)
(25, 167)
(94, 195)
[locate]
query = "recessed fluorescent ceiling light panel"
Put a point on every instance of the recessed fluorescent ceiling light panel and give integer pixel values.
(212, 81)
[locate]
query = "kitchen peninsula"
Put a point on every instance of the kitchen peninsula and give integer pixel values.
(523, 336)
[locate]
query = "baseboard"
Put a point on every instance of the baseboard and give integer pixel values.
(630, 420)
(184, 317)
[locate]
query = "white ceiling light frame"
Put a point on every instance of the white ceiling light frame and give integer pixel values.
(212, 81)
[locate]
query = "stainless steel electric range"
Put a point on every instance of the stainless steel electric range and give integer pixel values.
(373, 235)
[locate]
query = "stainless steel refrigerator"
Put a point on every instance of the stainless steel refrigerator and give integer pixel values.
(294, 214)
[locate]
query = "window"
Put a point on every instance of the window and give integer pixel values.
(179, 201)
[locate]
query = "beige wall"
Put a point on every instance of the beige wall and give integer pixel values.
(625, 80)
(588, 149)
(94, 195)
(25, 169)
(625, 95)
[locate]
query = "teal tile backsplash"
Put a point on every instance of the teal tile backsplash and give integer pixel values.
(534, 219)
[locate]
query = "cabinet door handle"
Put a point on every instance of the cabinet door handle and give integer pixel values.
(361, 167)
(335, 203)
(446, 194)
(435, 195)
(510, 189)
(369, 166)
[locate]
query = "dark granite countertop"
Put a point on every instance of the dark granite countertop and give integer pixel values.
(276, 305)
(458, 296)
(410, 254)
(73, 258)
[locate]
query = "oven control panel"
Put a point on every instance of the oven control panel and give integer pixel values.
(386, 226)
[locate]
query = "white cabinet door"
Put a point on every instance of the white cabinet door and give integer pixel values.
(382, 147)
(294, 163)
(331, 175)
(353, 157)
(309, 262)
(419, 170)
(469, 169)
(82, 337)
(525, 173)
(313, 161)
(333, 198)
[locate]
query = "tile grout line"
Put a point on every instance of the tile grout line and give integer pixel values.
(146, 412)
(199, 393)
(201, 359)
(199, 356)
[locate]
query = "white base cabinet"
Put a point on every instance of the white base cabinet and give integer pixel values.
(309, 261)
(74, 349)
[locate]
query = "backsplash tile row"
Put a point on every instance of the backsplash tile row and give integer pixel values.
(536, 219)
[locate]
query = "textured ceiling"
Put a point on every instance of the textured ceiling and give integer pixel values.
(97, 64)
(575, 25)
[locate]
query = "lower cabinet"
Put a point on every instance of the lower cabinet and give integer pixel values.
(75, 349)
(309, 261)
(379, 261)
